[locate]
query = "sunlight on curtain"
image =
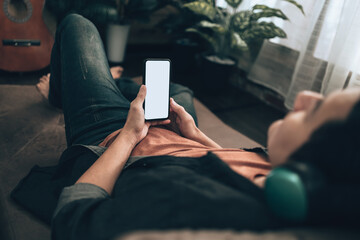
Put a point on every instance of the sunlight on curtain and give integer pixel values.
(296, 26)
(275, 65)
(327, 56)
(344, 60)
(308, 67)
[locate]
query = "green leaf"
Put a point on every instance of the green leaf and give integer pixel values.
(237, 42)
(201, 8)
(212, 41)
(299, 6)
(213, 26)
(240, 21)
(260, 6)
(267, 12)
(211, 2)
(263, 30)
(234, 3)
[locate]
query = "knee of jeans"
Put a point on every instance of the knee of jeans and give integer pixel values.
(70, 18)
(74, 19)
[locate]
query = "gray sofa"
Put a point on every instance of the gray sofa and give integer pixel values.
(32, 133)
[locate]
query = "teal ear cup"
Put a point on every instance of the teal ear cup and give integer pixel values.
(286, 194)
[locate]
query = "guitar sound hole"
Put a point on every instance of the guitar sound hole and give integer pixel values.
(18, 10)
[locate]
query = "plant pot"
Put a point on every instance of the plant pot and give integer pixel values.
(215, 72)
(184, 52)
(254, 48)
(116, 39)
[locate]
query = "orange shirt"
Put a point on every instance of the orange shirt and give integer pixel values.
(162, 141)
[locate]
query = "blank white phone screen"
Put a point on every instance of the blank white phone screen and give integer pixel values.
(157, 81)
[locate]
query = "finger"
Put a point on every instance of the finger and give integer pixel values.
(141, 95)
(306, 98)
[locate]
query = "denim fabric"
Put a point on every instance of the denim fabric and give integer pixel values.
(93, 103)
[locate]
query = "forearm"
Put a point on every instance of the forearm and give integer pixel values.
(200, 137)
(105, 171)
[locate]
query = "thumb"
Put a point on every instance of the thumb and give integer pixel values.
(175, 106)
(141, 94)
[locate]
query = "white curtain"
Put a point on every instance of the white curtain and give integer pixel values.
(321, 53)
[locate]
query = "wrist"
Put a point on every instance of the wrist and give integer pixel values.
(195, 134)
(129, 136)
(205, 140)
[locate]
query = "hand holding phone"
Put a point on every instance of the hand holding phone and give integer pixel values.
(157, 80)
(181, 121)
(135, 127)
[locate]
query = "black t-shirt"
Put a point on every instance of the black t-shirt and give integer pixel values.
(154, 193)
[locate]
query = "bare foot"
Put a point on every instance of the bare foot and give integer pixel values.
(116, 71)
(44, 85)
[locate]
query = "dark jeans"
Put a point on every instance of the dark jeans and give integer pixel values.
(94, 104)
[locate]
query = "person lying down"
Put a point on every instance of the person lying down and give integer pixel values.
(121, 173)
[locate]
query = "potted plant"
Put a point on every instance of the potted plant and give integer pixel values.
(117, 32)
(230, 31)
(120, 18)
(184, 47)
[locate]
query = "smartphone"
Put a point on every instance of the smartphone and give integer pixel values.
(157, 73)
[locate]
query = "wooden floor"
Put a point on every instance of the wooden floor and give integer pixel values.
(243, 112)
(239, 109)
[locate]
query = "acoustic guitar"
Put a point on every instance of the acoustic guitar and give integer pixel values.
(25, 41)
